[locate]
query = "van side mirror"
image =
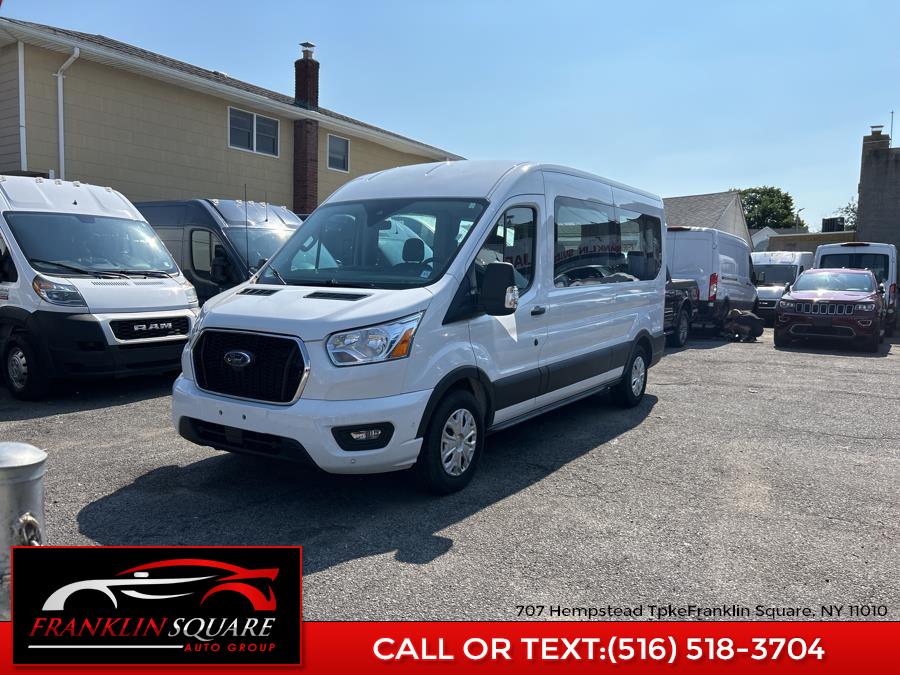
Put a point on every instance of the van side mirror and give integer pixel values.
(787, 287)
(881, 290)
(499, 293)
(258, 266)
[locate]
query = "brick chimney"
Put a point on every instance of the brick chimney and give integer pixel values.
(306, 132)
(306, 78)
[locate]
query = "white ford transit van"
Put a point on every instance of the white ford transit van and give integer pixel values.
(881, 259)
(720, 264)
(86, 287)
(419, 308)
(774, 269)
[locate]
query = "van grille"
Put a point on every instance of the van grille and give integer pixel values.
(140, 329)
(821, 308)
(274, 371)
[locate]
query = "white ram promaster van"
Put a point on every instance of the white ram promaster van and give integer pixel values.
(419, 308)
(881, 259)
(86, 287)
(774, 269)
(720, 264)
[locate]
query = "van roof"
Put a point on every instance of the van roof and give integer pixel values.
(474, 179)
(699, 230)
(857, 244)
(778, 257)
(26, 193)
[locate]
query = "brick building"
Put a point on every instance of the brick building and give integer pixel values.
(86, 107)
(878, 217)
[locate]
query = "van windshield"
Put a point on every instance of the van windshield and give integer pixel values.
(378, 243)
(775, 275)
(879, 263)
(238, 212)
(72, 244)
(835, 281)
(262, 242)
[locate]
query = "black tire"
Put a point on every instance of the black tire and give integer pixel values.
(726, 307)
(781, 340)
(889, 329)
(624, 393)
(872, 344)
(681, 329)
(430, 470)
(23, 372)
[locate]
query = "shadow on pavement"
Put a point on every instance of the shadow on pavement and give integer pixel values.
(231, 499)
(77, 396)
(836, 348)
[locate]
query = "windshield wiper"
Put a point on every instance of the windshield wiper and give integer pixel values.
(80, 270)
(147, 273)
(278, 275)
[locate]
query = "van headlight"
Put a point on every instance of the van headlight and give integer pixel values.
(189, 291)
(57, 293)
(374, 344)
(864, 307)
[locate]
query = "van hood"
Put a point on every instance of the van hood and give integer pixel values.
(769, 292)
(310, 312)
(129, 295)
(839, 296)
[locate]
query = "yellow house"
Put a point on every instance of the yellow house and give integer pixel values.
(85, 107)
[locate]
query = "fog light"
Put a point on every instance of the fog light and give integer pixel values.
(363, 437)
(864, 322)
(365, 434)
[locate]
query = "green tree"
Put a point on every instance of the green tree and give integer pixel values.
(769, 207)
(849, 212)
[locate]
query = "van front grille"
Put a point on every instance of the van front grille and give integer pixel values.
(140, 329)
(255, 366)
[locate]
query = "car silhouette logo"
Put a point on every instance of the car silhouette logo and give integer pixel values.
(210, 577)
(238, 359)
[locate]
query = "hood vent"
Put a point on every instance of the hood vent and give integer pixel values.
(329, 295)
(109, 282)
(259, 291)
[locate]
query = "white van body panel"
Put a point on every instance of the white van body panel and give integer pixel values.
(770, 294)
(892, 293)
(551, 327)
(135, 298)
(698, 252)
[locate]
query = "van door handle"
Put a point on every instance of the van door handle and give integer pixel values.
(538, 310)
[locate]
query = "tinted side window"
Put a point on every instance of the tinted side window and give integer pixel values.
(204, 245)
(8, 271)
(512, 240)
(641, 242)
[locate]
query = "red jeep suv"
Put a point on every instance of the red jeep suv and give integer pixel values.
(843, 304)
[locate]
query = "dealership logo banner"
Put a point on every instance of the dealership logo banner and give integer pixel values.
(156, 605)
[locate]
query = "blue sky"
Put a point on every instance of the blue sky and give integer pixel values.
(674, 97)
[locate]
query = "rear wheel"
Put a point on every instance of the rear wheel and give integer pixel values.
(681, 329)
(452, 444)
(630, 390)
(24, 375)
(726, 307)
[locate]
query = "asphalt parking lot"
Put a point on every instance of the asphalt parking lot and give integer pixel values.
(748, 475)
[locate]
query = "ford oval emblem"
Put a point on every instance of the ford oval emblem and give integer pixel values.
(238, 359)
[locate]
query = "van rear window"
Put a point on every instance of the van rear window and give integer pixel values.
(879, 263)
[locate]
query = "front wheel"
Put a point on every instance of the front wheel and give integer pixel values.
(872, 344)
(781, 340)
(629, 392)
(452, 444)
(22, 371)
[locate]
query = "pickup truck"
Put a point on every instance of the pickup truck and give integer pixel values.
(682, 300)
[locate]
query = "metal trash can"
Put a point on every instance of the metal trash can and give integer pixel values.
(21, 506)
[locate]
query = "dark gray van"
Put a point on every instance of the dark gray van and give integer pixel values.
(219, 243)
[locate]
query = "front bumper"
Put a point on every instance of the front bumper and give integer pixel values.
(78, 345)
(832, 327)
(302, 430)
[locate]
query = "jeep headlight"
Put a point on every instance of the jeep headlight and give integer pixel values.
(864, 307)
(57, 293)
(374, 344)
(786, 304)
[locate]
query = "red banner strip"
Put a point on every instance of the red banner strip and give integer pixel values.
(572, 647)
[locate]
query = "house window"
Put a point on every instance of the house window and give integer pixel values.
(338, 153)
(249, 131)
